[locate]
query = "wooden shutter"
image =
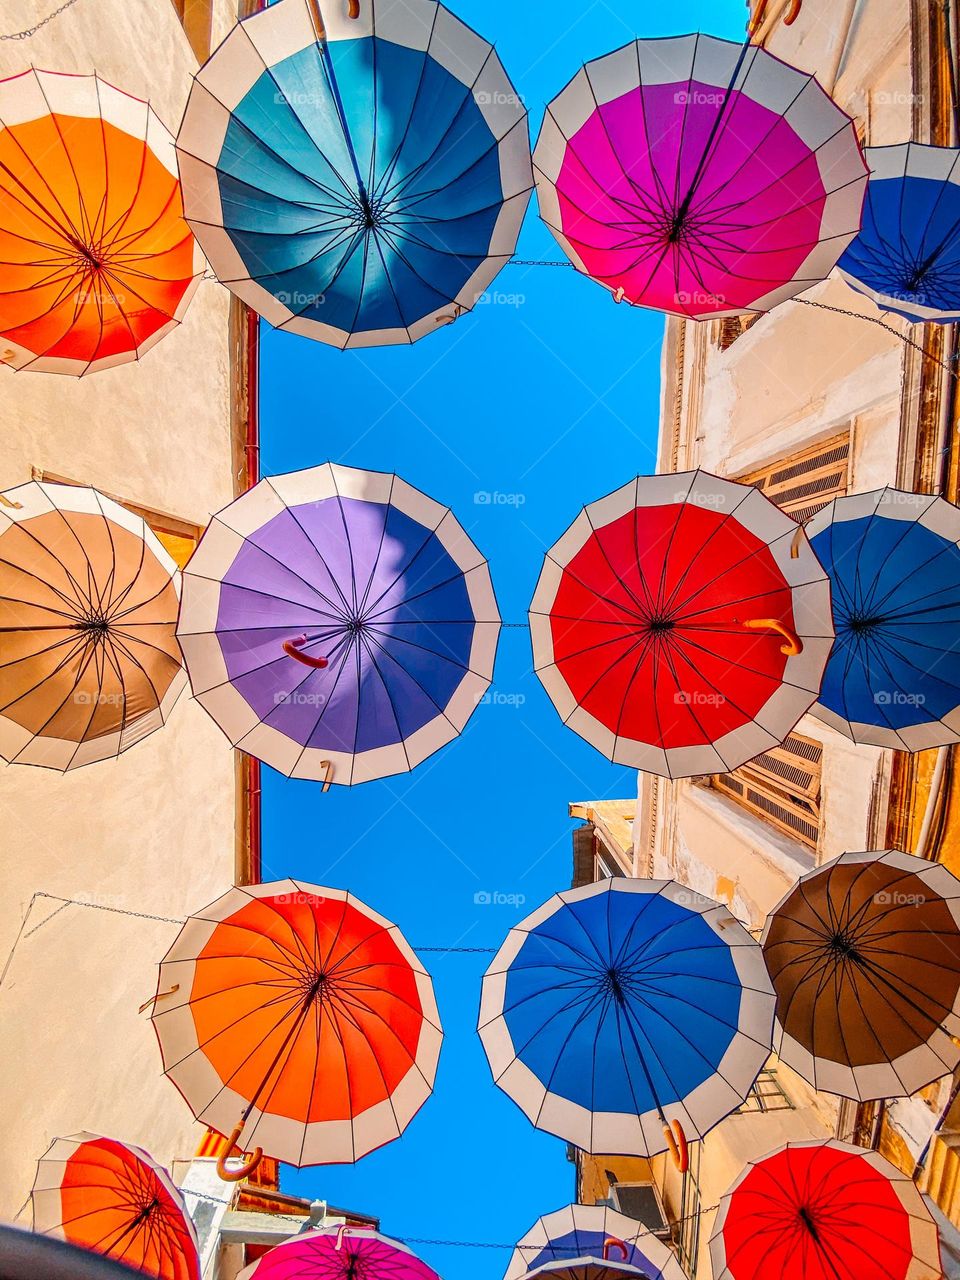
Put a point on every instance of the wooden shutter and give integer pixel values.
(804, 483)
(781, 786)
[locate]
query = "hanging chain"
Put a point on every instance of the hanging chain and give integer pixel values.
(32, 31)
(822, 306)
(540, 262)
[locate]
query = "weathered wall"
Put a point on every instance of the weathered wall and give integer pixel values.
(154, 830)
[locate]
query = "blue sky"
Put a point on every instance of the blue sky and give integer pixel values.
(542, 399)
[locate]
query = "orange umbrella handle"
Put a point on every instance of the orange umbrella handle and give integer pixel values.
(292, 649)
(235, 1175)
(612, 1242)
(794, 644)
(795, 543)
(792, 14)
(8, 502)
(159, 996)
(327, 766)
(353, 8)
(677, 1145)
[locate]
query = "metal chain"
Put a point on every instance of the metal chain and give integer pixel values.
(540, 262)
(32, 31)
(822, 306)
(464, 950)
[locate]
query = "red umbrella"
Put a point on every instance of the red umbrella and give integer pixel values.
(824, 1211)
(682, 624)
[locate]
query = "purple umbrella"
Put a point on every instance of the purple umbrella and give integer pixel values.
(338, 624)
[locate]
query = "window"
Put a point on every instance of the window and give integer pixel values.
(767, 1094)
(178, 537)
(641, 1202)
(804, 483)
(733, 327)
(781, 786)
(196, 18)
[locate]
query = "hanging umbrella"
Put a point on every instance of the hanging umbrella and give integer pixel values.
(114, 1199)
(299, 1019)
(339, 1253)
(627, 1016)
(893, 679)
(357, 180)
(824, 1211)
(864, 955)
(88, 605)
(907, 255)
(585, 1235)
(97, 261)
(681, 625)
(338, 624)
(699, 177)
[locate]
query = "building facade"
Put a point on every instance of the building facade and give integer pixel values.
(809, 403)
(101, 863)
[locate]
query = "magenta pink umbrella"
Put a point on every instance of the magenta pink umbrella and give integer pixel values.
(699, 177)
(339, 1253)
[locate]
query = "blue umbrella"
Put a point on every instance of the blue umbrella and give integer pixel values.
(627, 1016)
(893, 559)
(907, 255)
(578, 1235)
(361, 180)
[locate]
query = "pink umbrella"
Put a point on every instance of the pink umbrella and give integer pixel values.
(699, 177)
(339, 1253)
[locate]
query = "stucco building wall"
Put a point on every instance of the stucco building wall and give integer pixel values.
(154, 831)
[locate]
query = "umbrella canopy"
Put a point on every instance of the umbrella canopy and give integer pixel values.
(98, 263)
(893, 679)
(339, 1253)
(338, 624)
(864, 955)
(299, 1019)
(699, 177)
(907, 255)
(583, 1233)
(660, 619)
(622, 1007)
(824, 1211)
(88, 607)
(114, 1199)
(361, 180)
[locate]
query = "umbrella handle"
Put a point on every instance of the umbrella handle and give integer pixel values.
(292, 649)
(792, 14)
(795, 542)
(327, 766)
(353, 8)
(794, 644)
(159, 996)
(235, 1175)
(677, 1145)
(612, 1242)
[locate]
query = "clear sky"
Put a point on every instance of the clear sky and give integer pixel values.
(542, 399)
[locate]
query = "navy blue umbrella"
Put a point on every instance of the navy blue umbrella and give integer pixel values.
(893, 559)
(907, 255)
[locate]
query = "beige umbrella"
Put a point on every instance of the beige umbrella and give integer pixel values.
(88, 606)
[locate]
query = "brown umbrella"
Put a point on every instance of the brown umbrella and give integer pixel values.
(864, 955)
(88, 606)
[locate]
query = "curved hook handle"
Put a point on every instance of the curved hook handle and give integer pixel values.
(353, 8)
(147, 1004)
(677, 1145)
(795, 542)
(292, 649)
(327, 767)
(235, 1175)
(794, 644)
(612, 1242)
(792, 14)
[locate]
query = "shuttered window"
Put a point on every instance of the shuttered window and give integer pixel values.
(781, 786)
(804, 483)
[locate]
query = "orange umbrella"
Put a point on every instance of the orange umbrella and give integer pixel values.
(96, 261)
(114, 1199)
(89, 662)
(298, 1021)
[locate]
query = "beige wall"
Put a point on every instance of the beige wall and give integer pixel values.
(154, 830)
